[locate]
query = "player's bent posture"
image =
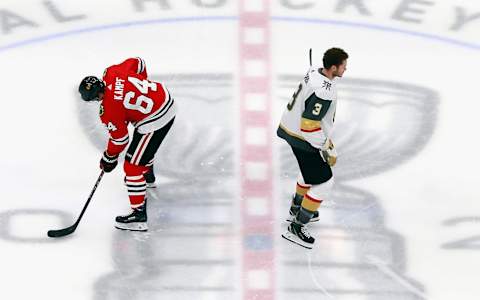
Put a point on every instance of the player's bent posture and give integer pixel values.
(128, 97)
(307, 125)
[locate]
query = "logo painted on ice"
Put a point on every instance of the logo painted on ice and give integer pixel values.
(460, 22)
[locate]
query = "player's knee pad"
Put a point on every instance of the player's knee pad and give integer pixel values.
(133, 170)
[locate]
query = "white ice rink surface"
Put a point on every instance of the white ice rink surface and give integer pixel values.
(404, 219)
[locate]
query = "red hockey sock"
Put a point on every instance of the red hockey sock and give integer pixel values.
(136, 184)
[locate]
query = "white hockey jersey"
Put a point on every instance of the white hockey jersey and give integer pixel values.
(307, 123)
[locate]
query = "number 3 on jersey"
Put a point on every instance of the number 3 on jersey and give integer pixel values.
(142, 103)
(294, 97)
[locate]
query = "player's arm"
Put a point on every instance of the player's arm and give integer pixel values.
(118, 140)
(117, 128)
(311, 123)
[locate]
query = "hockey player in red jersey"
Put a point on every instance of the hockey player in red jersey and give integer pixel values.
(128, 97)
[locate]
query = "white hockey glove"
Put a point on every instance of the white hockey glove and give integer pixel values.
(328, 153)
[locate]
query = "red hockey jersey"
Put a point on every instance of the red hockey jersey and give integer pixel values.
(131, 98)
(129, 66)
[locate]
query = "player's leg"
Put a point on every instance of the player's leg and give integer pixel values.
(136, 220)
(139, 162)
(150, 176)
(318, 175)
(136, 185)
(312, 200)
(300, 190)
(148, 156)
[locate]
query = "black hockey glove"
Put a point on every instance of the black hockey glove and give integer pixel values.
(108, 163)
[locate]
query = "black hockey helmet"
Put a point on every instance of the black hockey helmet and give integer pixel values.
(90, 87)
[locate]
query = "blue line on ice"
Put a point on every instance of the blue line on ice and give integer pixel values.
(355, 25)
(60, 35)
(375, 27)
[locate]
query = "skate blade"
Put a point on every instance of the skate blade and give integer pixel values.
(136, 226)
(294, 239)
(312, 220)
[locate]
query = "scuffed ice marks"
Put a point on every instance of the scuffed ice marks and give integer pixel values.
(198, 154)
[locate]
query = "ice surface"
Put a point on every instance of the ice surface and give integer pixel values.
(402, 222)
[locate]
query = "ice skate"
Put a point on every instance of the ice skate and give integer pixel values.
(135, 221)
(298, 234)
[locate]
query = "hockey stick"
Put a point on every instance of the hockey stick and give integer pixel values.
(310, 55)
(71, 229)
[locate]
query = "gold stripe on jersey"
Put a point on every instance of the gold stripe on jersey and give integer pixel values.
(310, 125)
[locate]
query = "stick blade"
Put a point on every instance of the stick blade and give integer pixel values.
(61, 232)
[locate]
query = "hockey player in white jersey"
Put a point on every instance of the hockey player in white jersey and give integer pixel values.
(307, 125)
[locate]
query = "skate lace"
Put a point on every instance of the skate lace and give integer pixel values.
(305, 232)
(128, 215)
